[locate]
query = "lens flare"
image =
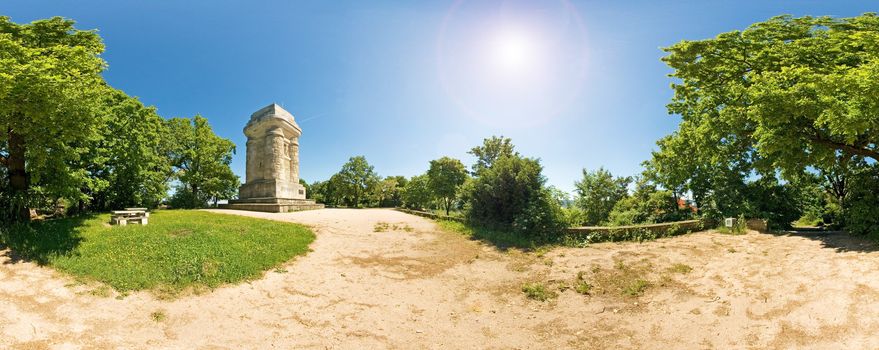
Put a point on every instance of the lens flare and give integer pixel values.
(511, 64)
(513, 51)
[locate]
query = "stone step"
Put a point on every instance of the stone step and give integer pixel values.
(274, 200)
(272, 207)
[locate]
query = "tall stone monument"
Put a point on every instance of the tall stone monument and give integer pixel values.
(272, 164)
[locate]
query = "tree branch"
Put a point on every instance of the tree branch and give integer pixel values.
(866, 152)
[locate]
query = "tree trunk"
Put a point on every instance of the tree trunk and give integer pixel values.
(195, 200)
(18, 177)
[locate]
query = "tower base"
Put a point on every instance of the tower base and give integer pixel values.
(272, 204)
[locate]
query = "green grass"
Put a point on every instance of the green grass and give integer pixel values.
(177, 250)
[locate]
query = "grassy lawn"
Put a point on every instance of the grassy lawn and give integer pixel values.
(177, 250)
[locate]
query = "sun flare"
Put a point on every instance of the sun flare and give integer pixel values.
(513, 51)
(509, 63)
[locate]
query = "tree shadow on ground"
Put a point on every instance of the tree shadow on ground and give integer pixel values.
(38, 242)
(840, 241)
(503, 239)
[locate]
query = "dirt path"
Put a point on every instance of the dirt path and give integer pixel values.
(413, 287)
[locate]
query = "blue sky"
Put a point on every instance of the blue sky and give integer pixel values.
(578, 84)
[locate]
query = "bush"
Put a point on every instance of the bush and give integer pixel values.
(542, 218)
(862, 215)
(510, 194)
(573, 216)
(775, 202)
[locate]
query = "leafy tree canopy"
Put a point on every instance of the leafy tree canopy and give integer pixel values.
(416, 193)
(445, 177)
(357, 178)
(50, 93)
(597, 193)
(785, 94)
(201, 159)
(492, 148)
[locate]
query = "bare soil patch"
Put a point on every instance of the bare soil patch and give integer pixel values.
(384, 279)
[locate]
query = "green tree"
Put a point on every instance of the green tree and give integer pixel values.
(777, 202)
(387, 190)
(329, 192)
(201, 159)
(795, 92)
(50, 88)
(491, 149)
(396, 198)
(416, 193)
(598, 192)
(445, 177)
(788, 94)
(307, 188)
(317, 191)
(357, 178)
(131, 155)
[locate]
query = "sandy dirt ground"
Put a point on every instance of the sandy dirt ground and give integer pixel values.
(415, 287)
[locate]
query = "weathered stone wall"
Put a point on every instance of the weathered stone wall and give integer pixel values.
(662, 227)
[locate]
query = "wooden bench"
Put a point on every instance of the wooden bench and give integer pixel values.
(123, 217)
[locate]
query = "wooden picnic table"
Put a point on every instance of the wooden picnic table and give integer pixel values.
(123, 217)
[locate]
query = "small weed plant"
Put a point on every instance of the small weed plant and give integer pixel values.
(538, 291)
(158, 316)
(680, 268)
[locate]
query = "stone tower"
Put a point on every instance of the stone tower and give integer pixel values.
(272, 179)
(272, 155)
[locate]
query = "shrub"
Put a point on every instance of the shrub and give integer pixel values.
(648, 206)
(510, 194)
(542, 218)
(775, 202)
(573, 216)
(862, 214)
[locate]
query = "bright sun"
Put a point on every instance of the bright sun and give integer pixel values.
(512, 63)
(513, 51)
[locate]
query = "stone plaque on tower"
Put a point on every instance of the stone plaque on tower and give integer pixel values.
(272, 178)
